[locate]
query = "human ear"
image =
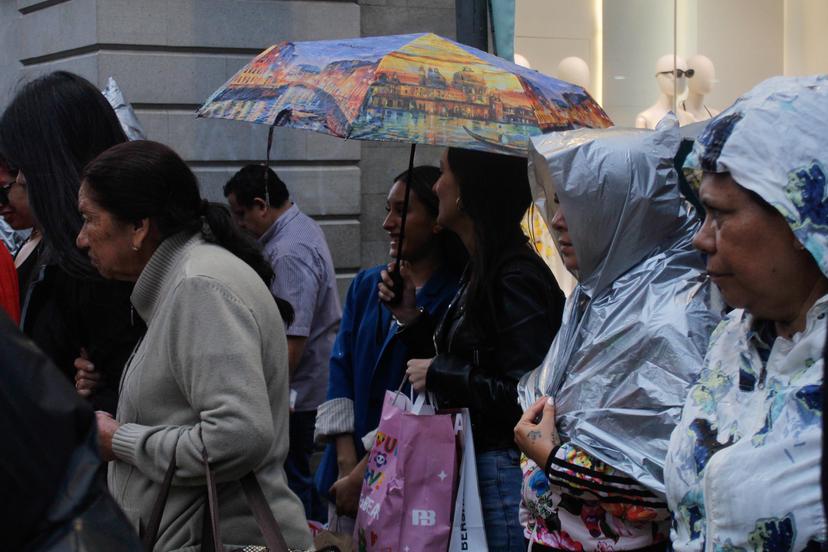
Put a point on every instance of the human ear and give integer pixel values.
(260, 204)
(140, 231)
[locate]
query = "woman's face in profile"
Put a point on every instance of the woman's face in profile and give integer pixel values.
(561, 232)
(420, 226)
(447, 190)
(16, 211)
(752, 254)
(107, 240)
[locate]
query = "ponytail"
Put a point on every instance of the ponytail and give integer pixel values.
(219, 228)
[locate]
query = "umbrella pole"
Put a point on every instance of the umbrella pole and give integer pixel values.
(267, 165)
(398, 281)
(280, 120)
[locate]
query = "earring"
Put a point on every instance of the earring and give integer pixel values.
(135, 248)
(459, 203)
(800, 246)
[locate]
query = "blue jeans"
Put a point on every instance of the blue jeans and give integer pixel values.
(499, 478)
(297, 464)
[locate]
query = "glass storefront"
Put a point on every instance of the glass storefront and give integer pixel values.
(640, 59)
(628, 53)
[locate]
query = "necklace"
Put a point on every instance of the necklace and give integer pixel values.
(684, 107)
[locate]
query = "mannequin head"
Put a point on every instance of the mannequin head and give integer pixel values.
(575, 70)
(665, 77)
(522, 61)
(704, 75)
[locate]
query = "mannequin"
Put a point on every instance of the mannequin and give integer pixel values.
(522, 61)
(650, 117)
(699, 85)
(575, 70)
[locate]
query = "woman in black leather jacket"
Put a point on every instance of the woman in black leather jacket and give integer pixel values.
(498, 327)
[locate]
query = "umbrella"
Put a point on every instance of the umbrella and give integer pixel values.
(418, 88)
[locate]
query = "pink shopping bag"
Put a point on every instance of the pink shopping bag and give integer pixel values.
(407, 495)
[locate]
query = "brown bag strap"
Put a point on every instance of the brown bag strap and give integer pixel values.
(149, 533)
(269, 527)
(211, 534)
(264, 515)
(211, 540)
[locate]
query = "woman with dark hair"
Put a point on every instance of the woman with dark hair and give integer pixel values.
(211, 375)
(50, 130)
(368, 358)
(498, 327)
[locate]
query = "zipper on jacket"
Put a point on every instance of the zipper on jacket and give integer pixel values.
(128, 366)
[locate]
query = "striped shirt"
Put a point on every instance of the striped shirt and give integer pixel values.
(580, 503)
(299, 254)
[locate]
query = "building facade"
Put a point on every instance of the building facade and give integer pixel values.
(168, 56)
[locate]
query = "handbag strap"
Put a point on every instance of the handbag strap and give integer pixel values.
(211, 534)
(149, 533)
(268, 525)
(262, 513)
(210, 540)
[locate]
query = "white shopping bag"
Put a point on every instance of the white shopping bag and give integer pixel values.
(468, 533)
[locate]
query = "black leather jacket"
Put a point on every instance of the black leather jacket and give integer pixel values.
(62, 314)
(480, 370)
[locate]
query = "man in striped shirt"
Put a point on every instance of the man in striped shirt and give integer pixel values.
(296, 247)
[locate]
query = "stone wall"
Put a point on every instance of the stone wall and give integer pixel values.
(169, 55)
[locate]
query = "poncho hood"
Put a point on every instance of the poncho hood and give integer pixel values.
(618, 190)
(774, 142)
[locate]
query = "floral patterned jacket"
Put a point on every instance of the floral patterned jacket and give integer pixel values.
(582, 504)
(743, 467)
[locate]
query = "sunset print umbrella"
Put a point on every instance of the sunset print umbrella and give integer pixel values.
(418, 88)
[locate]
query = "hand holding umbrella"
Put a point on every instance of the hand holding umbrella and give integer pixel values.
(400, 295)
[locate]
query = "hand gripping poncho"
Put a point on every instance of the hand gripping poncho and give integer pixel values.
(636, 328)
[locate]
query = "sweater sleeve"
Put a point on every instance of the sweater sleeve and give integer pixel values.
(214, 347)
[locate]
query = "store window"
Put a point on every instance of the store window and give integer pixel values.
(641, 58)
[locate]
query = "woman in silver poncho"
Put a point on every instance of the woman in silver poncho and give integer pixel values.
(634, 334)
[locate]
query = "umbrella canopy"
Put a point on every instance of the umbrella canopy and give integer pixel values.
(418, 88)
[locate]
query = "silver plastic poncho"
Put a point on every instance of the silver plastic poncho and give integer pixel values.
(636, 328)
(123, 109)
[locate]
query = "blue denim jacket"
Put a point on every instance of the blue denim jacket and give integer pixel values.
(368, 358)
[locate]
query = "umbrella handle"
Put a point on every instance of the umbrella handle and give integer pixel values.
(397, 288)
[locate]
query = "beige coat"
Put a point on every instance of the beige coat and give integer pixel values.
(212, 372)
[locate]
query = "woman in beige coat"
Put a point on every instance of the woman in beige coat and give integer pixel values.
(212, 373)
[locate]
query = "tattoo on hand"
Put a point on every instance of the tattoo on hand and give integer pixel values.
(533, 435)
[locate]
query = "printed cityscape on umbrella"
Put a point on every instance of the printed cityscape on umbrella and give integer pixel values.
(408, 88)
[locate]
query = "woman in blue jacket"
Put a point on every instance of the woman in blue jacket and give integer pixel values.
(368, 358)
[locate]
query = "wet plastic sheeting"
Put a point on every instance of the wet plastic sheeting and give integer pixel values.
(636, 328)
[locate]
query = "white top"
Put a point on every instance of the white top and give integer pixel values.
(743, 467)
